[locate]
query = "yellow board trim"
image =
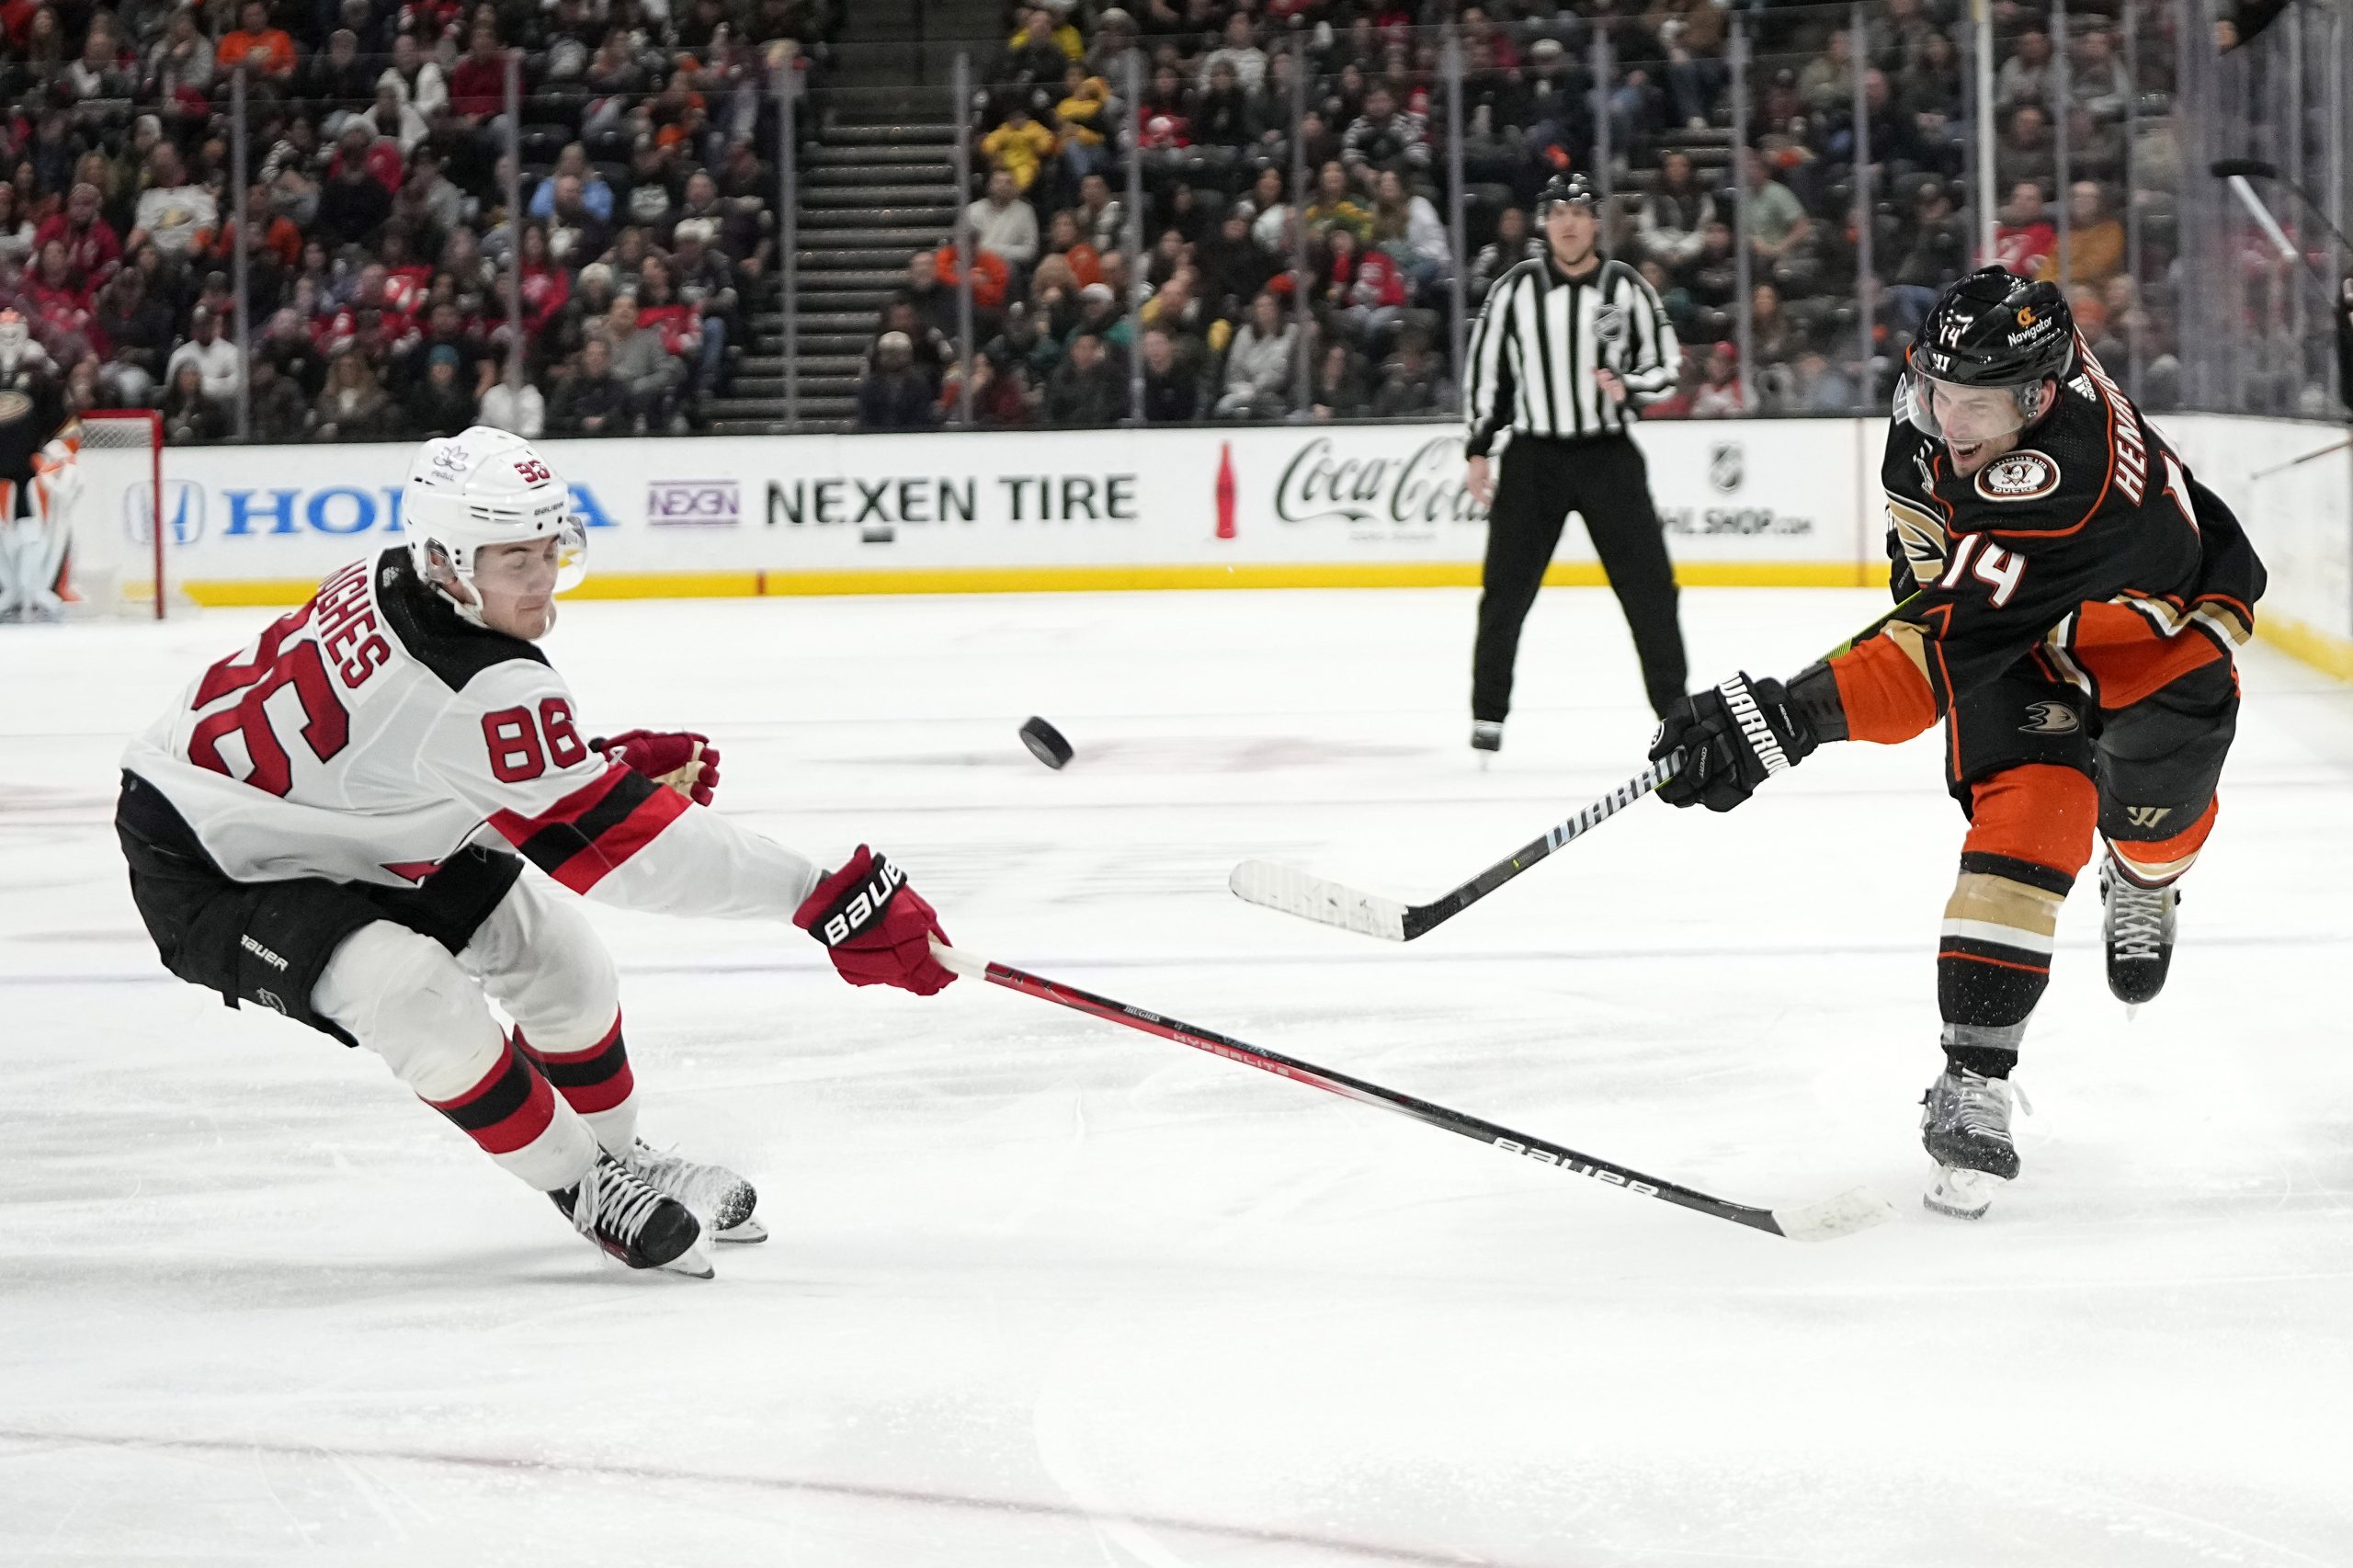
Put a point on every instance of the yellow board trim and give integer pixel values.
(1100, 579)
(2324, 650)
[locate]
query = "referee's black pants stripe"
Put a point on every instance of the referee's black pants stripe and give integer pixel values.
(1605, 482)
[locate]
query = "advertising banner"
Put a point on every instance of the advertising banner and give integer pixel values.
(1762, 501)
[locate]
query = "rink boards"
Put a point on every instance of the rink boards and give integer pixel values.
(1748, 503)
(1770, 502)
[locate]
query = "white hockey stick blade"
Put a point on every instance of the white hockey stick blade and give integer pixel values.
(1292, 890)
(1858, 1209)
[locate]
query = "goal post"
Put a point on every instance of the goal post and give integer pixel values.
(119, 562)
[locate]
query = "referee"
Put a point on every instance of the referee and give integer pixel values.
(1566, 344)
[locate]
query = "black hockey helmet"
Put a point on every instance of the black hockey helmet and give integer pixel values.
(1990, 329)
(1573, 187)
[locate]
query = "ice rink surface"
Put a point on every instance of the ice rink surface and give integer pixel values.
(1045, 1292)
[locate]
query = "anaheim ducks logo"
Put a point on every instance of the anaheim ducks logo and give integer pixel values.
(2049, 719)
(2018, 476)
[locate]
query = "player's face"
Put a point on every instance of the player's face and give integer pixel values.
(1976, 424)
(516, 584)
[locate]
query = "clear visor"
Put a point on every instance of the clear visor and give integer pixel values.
(571, 554)
(1962, 415)
(510, 571)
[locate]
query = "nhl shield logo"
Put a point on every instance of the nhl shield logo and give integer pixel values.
(1609, 320)
(1725, 469)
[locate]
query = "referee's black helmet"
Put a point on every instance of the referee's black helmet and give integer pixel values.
(1572, 188)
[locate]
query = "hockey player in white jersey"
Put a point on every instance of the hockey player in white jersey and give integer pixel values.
(333, 822)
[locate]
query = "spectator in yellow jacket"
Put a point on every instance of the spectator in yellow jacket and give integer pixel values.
(1018, 146)
(1041, 22)
(1083, 112)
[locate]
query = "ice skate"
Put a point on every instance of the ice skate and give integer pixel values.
(1486, 739)
(2137, 926)
(628, 1218)
(718, 1197)
(1965, 1126)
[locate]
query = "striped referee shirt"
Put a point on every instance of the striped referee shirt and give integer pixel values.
(1542, 335)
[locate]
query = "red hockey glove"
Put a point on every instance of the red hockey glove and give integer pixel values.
(687, 762)
(876, 929)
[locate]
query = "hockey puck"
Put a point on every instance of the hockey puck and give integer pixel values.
(1045, 743)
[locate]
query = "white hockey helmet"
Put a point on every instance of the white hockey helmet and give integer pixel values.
(484, 487)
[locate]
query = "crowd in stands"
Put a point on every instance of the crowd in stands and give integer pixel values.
(375, 204)
(375, 207)
(1260, 295)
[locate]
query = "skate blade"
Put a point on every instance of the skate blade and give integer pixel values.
(2132, 1011)
(1856, 1210)
(745, 1230)
(1962, 1194)
(693, 1262)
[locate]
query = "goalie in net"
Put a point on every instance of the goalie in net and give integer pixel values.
(39, 476)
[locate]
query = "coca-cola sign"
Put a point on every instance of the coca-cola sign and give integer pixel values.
(1421, 489)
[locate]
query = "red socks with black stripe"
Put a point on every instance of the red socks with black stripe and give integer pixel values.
(513, 1113)
(594, 1081)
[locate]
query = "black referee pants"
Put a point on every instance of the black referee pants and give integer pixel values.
(1605, 480)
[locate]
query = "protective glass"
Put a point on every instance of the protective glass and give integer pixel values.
(1962, 415)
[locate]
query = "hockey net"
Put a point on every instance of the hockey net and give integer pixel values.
(120, 558)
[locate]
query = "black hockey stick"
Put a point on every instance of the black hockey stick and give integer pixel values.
(1856, 1209)
(1274, 885)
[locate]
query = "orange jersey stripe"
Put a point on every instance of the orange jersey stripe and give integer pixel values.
(2129, 658)
(1886, 697)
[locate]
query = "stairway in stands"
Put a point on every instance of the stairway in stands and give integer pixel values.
(878, 183)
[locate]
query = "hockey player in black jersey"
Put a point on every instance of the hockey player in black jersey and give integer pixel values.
(2072, 601)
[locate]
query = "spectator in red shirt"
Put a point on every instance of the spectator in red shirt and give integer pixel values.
(93, 250)
(545, 286)
(58, 304)
(2028, 239)
(379, 154)
(478, 82)
(405, 276)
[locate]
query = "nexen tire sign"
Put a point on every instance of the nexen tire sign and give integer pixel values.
(1302, 494)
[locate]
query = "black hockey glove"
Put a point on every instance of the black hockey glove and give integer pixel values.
(1733, 739)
